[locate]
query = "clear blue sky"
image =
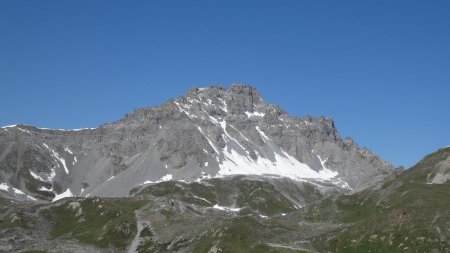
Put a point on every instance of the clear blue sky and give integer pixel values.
(381, 69)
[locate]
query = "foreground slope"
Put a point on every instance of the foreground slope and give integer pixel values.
(230, 214)
(406, 213)
(410, 213)
(210, 132)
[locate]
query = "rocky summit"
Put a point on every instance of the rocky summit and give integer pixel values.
(215, 170)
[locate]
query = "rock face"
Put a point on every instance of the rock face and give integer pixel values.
(208, 132)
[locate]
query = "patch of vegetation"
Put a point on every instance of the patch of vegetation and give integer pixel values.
(161, 189)
(323, 211)
(237, 235)
(242, 234)
(261, 195)
(17, 219)
(203, 192)
(150, 243)
(196, 201)
(412, 218)
(96, 221)
(356, 207)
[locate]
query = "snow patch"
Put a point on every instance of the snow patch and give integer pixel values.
(262, 134)
(201, 199)
(60, 159)
(68, 150)
(224, 107)
(167, 177)
(283, 164)
(80, 129)
(10, 126)
(209, 141)
(223, 124)
(43, 128)
(37, 177)
(214, 120)
(239, 132)
(228, 209)
(255, 114)
(63, 162)
(183, 110)
(203, 177)
(325, 170)
(24, 130)
(65, 130)
(4, 186)
(19, 192)
(331, 174)
(42, 188)
(66, 194)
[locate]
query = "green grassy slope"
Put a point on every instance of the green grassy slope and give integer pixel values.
(97, 221)
(406, 214)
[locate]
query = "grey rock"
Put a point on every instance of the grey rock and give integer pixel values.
(186, 138)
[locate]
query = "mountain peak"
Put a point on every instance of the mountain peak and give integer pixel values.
(235, 100)
(233, 90)
(234, 87)
(208, 132)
